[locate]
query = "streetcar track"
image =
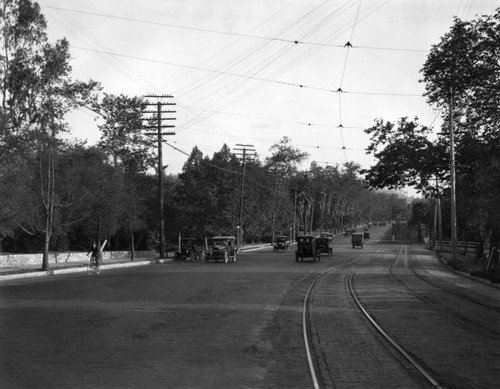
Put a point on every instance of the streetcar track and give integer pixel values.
(426, 299)
(314, 367)
(380, 330)
(309, 346)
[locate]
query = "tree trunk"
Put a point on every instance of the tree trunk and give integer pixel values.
(132, 242)
(48, 197)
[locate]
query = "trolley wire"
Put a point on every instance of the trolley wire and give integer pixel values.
(241, 35)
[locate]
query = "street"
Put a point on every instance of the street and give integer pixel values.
(234, 325)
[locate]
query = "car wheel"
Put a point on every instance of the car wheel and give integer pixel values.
(226, 257)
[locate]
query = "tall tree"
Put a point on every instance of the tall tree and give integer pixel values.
(462, 76)
(122, 133)
(405, 155)
(37, 93)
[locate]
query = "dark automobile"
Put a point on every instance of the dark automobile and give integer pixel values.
(189, 249)
(281, 244)
(324, 245)
(306, 248)
(221, 248)
(357, 239)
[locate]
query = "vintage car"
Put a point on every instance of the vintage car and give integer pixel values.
(221, 248)
(366, 235)
(281, 244)
(324, 244)
(189, 249)
(306, 248)
(357, 239)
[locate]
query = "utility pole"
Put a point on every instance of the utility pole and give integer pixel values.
(439, 216)
(453, 184)
(242, 154)
(274, 205)
(159, 126)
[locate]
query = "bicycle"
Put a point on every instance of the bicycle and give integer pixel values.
(94, 265)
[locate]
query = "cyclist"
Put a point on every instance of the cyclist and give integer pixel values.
(95, 253)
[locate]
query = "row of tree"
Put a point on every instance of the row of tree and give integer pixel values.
(57, 194)
(462, 80)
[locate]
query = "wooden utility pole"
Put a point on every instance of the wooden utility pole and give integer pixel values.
(243, 155)
(453, 184)
(159, 126)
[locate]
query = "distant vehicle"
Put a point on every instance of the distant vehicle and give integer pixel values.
(350, 231)
(357, 239)
(190, 249)
(281, 243)
(324, 244)
(366, 235)
(221, 248)
(306, 248)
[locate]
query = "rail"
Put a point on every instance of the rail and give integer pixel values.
(463, 244)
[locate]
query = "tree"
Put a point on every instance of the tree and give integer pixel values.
(462, 76)
(285, 157)
(37, 93)
(405, 156)
(283, 163)
(122, 133)
(130, 149)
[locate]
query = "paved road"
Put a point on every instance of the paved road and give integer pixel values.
(186, 325)
(207, 325)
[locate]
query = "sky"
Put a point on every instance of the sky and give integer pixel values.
(253, 72)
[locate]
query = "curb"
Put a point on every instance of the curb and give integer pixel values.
(77, 269)
(83, 268)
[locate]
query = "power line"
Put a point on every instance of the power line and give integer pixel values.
(242, 75)
(261, 37)
(308, 124)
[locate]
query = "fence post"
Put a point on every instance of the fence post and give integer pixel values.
(490, 257)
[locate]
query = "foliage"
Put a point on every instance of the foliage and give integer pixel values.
(59, 195)
(122, 134)
(405, 156)
(462, 77)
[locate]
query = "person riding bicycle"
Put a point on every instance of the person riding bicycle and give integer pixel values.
(95, 253)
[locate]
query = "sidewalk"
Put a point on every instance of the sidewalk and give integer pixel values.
(11, 273)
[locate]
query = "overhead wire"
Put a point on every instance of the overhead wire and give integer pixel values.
(303, 86)
(83, 34)
(347, 46)
(288, 61)
(344, 148)
(276, 57)
(252, 61)
(241, 35)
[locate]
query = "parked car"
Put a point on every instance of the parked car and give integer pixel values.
(366, 235)
(281, 243)
(306, 248)
(357, 239)
(190, 249)
(221, 248)
(324, 245)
